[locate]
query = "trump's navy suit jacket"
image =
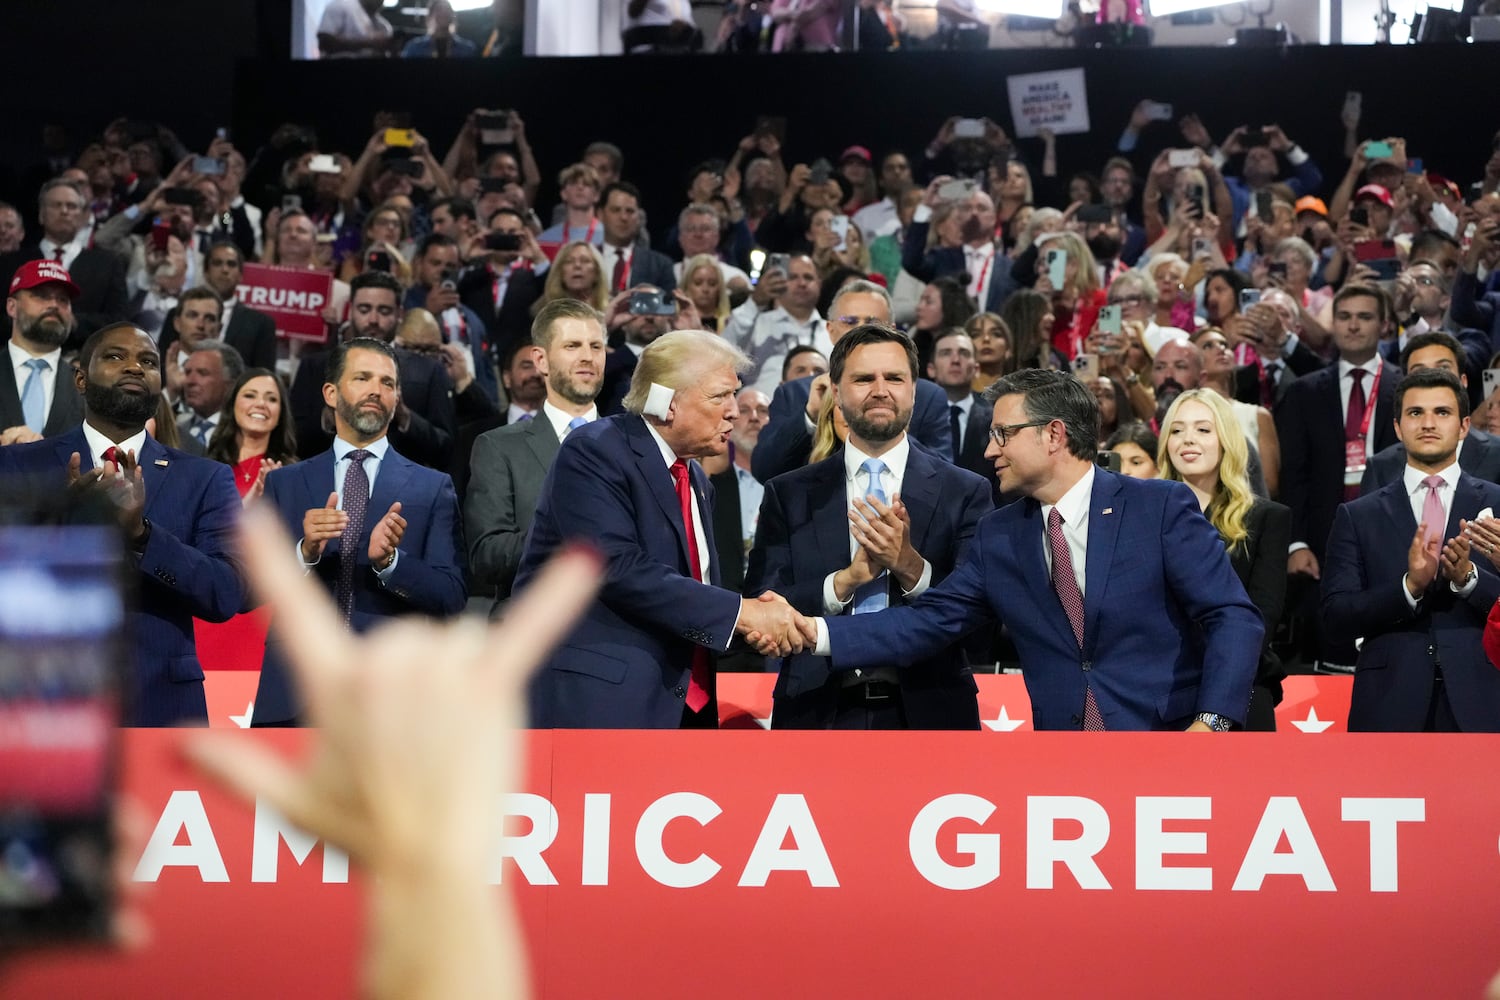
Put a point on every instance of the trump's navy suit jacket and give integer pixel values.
(626, 665)
(188, 568)
(428, 576)
(1169, 631)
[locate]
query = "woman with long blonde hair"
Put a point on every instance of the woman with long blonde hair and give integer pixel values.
(703, 282)
(1203, 446)
(576, 273)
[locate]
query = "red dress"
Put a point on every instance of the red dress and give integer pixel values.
(239, 643)
(1491, 637)
(1071, 329)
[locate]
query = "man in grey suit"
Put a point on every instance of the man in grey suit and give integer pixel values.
(37, 398)
(508, 464)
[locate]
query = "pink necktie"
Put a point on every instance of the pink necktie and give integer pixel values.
(1433, 519)
(1066, 585)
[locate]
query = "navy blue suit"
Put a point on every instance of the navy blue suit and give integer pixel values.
(785, 444)
(627, 663)
(428, 576)
(803, 535)
(1362, 584)
(1169, 631)
(188, 568)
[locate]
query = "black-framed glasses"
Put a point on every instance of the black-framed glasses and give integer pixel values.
(1128, 300)
(860, 320)
(1001, 434)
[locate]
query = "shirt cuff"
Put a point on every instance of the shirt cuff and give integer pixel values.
(1290, 346)
(831, 603)
(1217, 156)
(306, 566)
(1296, 547)
(1297, 156)
(384, 575)
(1411, 602)
(1127, 140)
(923, 582)
(824, 647)
(1468, 587)
(922, 214)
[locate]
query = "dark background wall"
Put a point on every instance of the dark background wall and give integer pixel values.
(196, 65)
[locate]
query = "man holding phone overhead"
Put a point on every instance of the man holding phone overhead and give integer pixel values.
(1263, 149)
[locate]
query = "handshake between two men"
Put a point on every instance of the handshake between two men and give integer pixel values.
(772, 627)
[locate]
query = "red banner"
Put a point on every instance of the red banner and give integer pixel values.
(879, 865)
(294, 297)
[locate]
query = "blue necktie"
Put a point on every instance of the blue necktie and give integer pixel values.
(201, 429)
(574, 424)
(875, 595)
(34, 395)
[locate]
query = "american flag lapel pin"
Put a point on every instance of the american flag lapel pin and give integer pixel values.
(162, 462)
(1107, 510)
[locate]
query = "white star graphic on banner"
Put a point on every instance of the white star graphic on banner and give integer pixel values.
(1312, 724)
(1003, 723)
(243, 721)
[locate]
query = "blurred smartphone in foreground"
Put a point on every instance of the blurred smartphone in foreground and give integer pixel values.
(62, 657)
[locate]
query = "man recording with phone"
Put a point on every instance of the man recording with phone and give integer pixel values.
(436, 290)
(634, 320)
(781, 312)
(509, 279)
(1261, 168)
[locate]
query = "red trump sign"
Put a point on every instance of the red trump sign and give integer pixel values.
(294, 297)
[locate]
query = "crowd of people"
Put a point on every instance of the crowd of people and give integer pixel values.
(1289, 347)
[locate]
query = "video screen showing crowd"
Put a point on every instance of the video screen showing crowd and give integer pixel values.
(1153, 436)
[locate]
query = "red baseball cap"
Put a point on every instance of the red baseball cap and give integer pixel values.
(856, 153)
(42, 272)
(1377, 192)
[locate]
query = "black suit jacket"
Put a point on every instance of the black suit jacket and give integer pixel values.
(1479, 457)
(65, 413)
(250, 332)
(1476, 357)
(1310, 424)
(425, 389)
(100, 277)
(1247, 377)
(976, 440)
(1260, 563)
(729, 543)
(647, 267)
(803, 536)
(510, 319)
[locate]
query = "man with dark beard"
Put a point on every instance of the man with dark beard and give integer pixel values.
(1104, 232)
(873, 526)
(177, 514)
(509, 463)
(381, 532)
(39, 401)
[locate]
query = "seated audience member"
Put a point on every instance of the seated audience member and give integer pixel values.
(908, 518)
(1295, 261)
(379, 531)
(698, 233)
(436, 291)
(1201, 445)
(183, 551)
(780, 313)
(508, 282)
(12, 229)
(944, 306)
(254, 435)
(1136, 445)
(208, 375)
(992, 353)
(783, 229)
(577, 273)
(509, 464)
(1421, 665)
(355, 29)
(703, 281)
(580, 186)
(1075, 305)
(1255, 423)
(881, 218)
(786, 440)
(737, 497)
(643, 656)
(1478, 451)
(385, 230)
(99, 274)
(803, 361)
(442, 40)
(626, 263)
(423, 422)
(38, 399)
(474, 411)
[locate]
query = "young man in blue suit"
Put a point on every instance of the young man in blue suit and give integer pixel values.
(380, 531)
(178, 513)
(873, 526)
(1419, 602)
(1117, 592)
(643, 656)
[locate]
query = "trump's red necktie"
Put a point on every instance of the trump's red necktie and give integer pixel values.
(701, 678)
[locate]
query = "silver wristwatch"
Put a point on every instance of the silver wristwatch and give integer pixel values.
(1217, 723)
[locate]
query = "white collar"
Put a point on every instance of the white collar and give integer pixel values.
(668, 456)
(1073, 504)
(1372, 366)
(377, 449)
(1412, 478)
(98, 443)
(19, 356)
(894, 459)
(560, 420)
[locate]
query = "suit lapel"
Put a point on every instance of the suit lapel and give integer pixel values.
(1106, 512)
(542, 441)
(390, 486)
(1028, 544)
(920, 494)
(828, 503)
(1468, 500)
(1397, 506)
(154, 476)
(700, 484)
(648, 460)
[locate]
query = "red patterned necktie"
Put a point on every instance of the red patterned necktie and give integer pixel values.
(701, 678)
(1066, 585)
(1354, 421)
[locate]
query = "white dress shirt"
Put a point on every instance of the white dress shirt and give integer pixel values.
(965, 406)
(1416, 493)
(1074, 506)
(70, 250)
(767, 337)
(857, 487)
(752, 492)
(99, 444)
(980, 262)
(560, 420)
(670, 457)
(1346, 386)
(612, 254)
(18, 359)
